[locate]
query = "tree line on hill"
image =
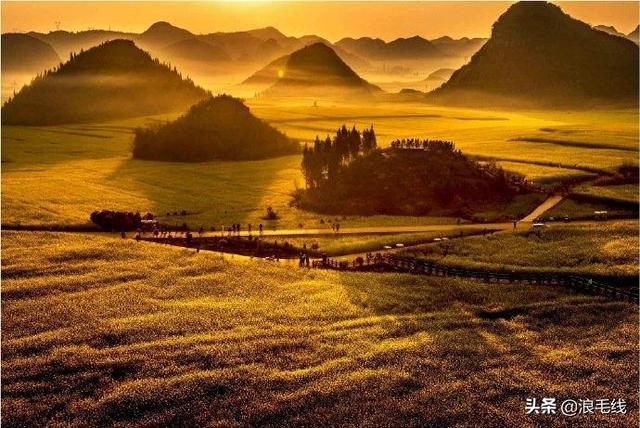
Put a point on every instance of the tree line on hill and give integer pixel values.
(323, 161)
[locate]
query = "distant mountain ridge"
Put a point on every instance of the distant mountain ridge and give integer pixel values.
(65, 42)
(538, 53)
(464, 47)
(113, 80)
(609, 29)
(24, 53)
(261, 46)
(257, 46)
(403, 48)
(194, 49)
(634, 35)
(162, 34)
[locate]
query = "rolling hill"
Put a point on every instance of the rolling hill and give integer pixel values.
(316, 70)
(23, 53)
(113, 80)
(220, 127)
(537, 49)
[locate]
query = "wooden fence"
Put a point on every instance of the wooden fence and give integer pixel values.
(427, 267)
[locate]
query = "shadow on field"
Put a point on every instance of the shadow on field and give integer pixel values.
(227, 191)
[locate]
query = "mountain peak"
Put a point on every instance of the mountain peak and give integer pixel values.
(634, 34)
(161, 34)
(529, 16)
(316, 69)
(535, 48)
(100, 84)
(160, 26)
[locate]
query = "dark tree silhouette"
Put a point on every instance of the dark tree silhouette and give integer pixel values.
(220, 127)
(414, 177)
(324, 161)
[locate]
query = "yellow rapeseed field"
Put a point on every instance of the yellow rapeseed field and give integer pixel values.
(59, 175)
(102, 331)
(604, 248)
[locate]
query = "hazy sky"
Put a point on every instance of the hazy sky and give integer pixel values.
(332, 20)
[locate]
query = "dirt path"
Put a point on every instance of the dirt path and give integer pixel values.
(549, 203)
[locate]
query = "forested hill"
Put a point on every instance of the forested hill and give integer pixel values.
(539, 54)
(113, 80)
(220, 127)
(348, 175)
(317, 70)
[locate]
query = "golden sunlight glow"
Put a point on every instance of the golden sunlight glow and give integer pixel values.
(280, 73)
(332, 20)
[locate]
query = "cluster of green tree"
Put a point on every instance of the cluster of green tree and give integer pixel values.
(436, 180)
(219, 127)
(323, 161)
(118, 221)
(113, 80)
